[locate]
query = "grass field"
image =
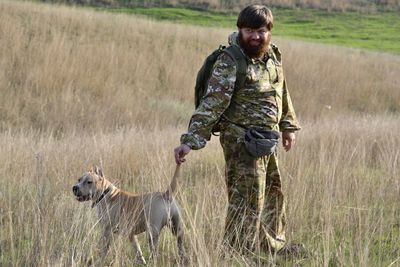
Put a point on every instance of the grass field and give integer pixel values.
(378, 31)
(79, 87)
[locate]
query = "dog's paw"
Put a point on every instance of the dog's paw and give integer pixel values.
(140, 260)
(89, 262)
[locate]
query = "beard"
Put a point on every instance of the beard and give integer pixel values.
(253, 48)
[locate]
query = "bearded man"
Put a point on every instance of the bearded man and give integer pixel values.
(256, 213)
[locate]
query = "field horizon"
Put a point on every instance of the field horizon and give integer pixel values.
(81, 88)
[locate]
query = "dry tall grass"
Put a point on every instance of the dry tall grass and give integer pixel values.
(79, 87)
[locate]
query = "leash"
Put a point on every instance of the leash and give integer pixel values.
(172, 187)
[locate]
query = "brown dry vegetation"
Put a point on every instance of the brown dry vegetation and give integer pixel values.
(79, 88)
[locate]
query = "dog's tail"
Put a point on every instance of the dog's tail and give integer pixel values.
(172, 187)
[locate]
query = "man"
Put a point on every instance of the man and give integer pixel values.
(256, 213)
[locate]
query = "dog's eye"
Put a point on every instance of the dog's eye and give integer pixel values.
(89, 182)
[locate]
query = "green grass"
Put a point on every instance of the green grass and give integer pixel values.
(380, 31)
(371, 31)
(182, 15)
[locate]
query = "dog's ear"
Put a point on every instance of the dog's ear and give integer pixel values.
(98, 171)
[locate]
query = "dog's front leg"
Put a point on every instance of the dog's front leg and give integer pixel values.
(154, 233)
(138, 252)
(105, 241)
(177, 230)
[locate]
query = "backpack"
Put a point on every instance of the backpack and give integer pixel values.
(204, 73)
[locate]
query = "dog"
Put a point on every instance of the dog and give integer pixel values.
(131, 214)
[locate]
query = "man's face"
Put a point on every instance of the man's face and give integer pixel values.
(254, 42)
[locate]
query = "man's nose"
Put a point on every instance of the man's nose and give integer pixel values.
(255, 35)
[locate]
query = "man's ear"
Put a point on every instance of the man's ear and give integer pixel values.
(97, 171)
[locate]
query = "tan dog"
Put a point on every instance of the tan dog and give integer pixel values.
(131, 214)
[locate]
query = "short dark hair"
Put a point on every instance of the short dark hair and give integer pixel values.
(254, 17)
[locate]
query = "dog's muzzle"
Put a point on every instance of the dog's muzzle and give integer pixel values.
(78, 194)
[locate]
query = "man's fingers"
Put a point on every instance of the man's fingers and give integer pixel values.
(288, 140)
(177, 159)
(287, 144)
(179, 155)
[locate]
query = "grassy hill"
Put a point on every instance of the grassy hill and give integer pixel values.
(79, 87)
(236, 5)
(377, 31)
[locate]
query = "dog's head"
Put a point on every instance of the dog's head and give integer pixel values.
(89, 185)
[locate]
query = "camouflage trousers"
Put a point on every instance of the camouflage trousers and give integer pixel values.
(256, 212)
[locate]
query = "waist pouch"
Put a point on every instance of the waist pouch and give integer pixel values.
(261, 143)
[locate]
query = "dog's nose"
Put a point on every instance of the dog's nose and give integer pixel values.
(75, 189)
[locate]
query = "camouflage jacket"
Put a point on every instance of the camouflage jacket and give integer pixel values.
(264, 101)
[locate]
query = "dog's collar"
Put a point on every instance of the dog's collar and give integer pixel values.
(108, 190)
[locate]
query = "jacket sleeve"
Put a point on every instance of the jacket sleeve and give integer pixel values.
(213, 104)
(288, 120)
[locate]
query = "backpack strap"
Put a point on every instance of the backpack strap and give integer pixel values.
(204, 75)
(236, 54)
(275, 53)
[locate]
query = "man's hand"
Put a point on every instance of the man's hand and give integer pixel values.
(288, 140)
(180, 153)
